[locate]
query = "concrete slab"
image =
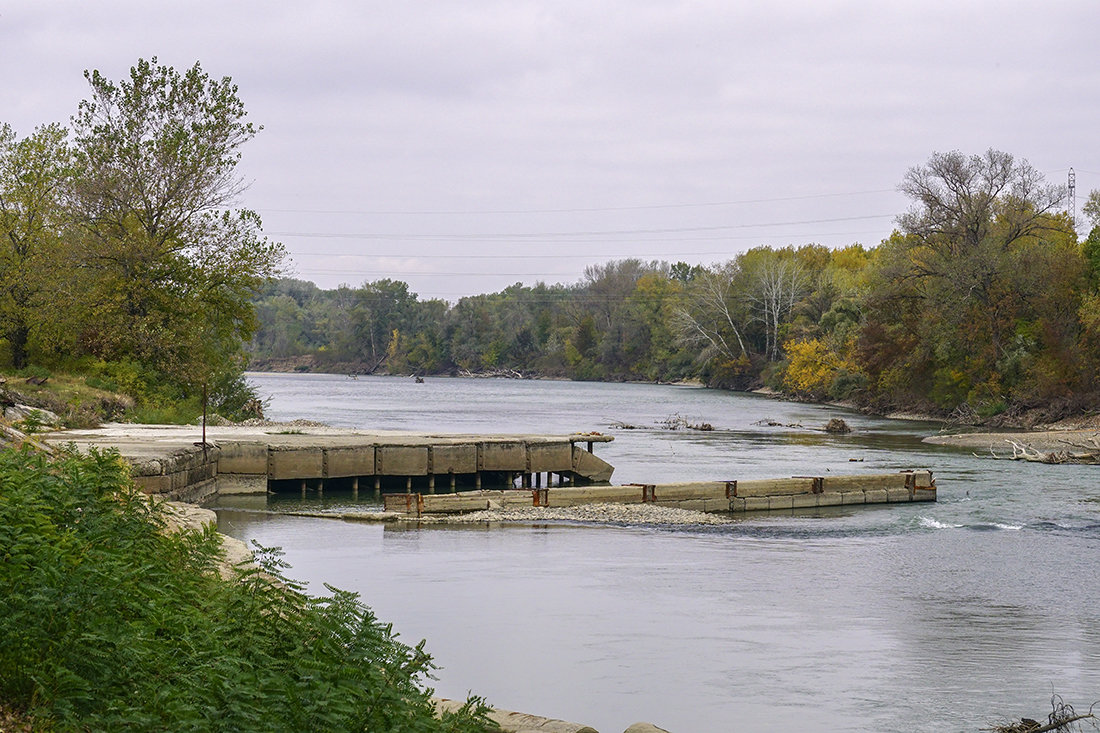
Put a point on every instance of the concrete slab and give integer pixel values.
(502, 456)
(459, 459)
(345, 461)
(401, 460)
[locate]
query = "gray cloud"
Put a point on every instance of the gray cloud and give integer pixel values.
(461, 111)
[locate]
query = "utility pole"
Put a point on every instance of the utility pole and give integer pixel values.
(1073, 199)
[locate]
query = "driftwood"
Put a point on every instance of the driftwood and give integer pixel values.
(835, 425)
(1062, 718)
(493, 373)
(1024, 452)
(676, 421)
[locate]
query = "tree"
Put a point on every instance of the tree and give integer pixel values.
(33, 173)
(172, 268)
(1092, 208)
(963, 301)
(714, 316)
(776, 282)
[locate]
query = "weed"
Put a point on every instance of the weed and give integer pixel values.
(107, 622)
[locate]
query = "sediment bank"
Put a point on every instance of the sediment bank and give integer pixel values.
(1045, 441)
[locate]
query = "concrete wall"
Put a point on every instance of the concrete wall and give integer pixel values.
(184, 474)
(705, 496)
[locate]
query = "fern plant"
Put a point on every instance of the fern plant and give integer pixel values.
(107, 622)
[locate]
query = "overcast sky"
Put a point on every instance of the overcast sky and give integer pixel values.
(465, 146)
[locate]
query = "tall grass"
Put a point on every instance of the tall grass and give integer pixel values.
(109, 623)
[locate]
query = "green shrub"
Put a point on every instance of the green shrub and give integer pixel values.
(35, 372)
(109, 623)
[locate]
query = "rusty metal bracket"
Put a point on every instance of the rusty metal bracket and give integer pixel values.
(648, 491)
(540, 497)
(817, 483)
(419, 504)
(731, 489)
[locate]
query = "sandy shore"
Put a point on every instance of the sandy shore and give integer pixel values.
(1043, 441)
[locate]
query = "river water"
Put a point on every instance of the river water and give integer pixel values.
(925, 617)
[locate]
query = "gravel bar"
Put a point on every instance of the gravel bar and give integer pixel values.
(640, 514)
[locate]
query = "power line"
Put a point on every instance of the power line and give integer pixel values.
(578, 210)
(642, 240)
(523, 236)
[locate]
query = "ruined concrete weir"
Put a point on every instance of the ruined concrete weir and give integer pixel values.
(783, 494)
(172, 461)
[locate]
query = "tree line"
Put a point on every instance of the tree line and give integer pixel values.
(121, 256)
(123, 259)
(982, 302)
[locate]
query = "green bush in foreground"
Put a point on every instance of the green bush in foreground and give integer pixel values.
(108, 623)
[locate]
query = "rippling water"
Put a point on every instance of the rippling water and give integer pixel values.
(919, 617)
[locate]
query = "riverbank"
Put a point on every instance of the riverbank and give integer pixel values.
(1042, 441)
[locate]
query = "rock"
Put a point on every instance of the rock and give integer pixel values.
(836, 425)
(21, 413)
(644, 728)
(511, 722)
(180, 516)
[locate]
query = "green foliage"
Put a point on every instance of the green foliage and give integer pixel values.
(109, 623)
(1090, 250)
(121, 245)
(33, 174)
(174, 269)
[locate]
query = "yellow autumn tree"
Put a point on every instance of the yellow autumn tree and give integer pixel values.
(813, 367)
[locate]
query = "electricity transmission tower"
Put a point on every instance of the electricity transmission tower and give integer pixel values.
(1073, 199)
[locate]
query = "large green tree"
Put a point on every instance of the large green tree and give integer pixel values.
(171, 269)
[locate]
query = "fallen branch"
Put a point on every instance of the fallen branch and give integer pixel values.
(1061, 717)
(1024, 452)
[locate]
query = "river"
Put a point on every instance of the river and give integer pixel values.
(925, 617)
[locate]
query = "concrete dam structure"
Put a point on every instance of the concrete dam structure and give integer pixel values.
(406, 469)
(800, 492)
(173, 462)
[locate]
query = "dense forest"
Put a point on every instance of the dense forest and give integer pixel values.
(982, 303)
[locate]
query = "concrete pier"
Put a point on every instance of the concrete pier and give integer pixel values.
(171, 460)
